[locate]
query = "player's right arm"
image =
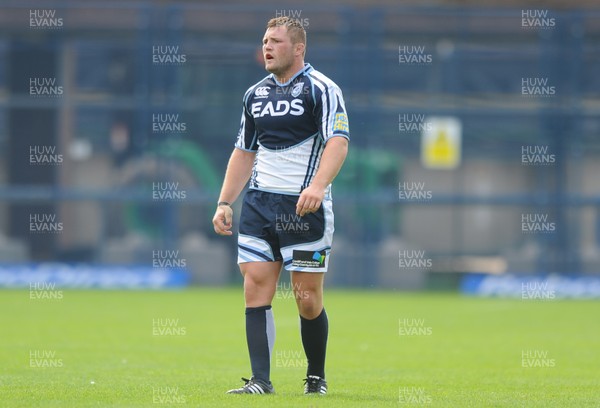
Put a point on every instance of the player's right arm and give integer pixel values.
(239, 169)
(237, 175)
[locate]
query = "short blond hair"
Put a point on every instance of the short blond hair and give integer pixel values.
(294, 28)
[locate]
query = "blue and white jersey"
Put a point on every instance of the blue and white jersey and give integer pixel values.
(287, 125)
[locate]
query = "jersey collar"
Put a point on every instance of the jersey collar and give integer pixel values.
(307, 68)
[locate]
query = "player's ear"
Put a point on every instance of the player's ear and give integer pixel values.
(300, 47)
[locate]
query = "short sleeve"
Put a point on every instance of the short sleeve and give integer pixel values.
(246, 139)
(331, 113)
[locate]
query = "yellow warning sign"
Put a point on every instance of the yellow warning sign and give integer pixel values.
(441, 143)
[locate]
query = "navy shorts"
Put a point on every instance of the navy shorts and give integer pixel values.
(271, 231)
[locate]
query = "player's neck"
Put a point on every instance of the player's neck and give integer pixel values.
(290, 73)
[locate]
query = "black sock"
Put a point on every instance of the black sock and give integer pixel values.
(314, 339)
(260, 335)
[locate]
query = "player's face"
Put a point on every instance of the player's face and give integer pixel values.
(278, 51)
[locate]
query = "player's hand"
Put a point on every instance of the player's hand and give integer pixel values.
(222, 220)
(310, 200)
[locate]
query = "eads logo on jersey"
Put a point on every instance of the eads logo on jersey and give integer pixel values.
(308, 259)
(280, 109)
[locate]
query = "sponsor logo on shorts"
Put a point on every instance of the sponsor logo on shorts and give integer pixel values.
(308, 259)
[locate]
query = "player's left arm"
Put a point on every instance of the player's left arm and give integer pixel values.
(331, 162)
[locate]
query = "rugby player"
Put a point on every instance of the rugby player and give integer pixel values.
(292, 142)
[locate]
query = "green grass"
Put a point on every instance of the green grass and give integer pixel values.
(469, 354)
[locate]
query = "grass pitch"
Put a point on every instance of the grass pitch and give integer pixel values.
(386, 349)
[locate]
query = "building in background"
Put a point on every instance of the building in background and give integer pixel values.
(116, 121)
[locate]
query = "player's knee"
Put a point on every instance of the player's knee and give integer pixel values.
(309, 305)
(257, 295)
(256, 287)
